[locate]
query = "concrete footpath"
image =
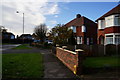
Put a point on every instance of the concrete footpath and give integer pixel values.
(54, 68)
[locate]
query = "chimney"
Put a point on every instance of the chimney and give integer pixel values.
(78, 16)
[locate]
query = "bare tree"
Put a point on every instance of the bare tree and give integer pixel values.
(40, 31)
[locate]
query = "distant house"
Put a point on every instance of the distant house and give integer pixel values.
(109, 27)
(85, 30)
(8, 35)
(26, 36)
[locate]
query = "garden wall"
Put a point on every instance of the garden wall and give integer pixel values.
(73, 60)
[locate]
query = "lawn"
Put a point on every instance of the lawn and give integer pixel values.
(22, 65)
(99, 62)
(23, 46)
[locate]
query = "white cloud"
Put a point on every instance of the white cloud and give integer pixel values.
(34, 14)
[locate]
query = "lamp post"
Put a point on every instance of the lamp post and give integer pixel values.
(23, 21)
(23, 24)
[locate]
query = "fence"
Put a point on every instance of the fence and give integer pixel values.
(95, 50)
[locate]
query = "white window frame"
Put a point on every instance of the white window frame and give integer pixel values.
(114, 36)
(83, 28)
(111, 20)
(117, 19)
(79, 39)
(101, 24)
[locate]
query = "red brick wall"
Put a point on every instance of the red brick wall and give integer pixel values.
(100, 33)
(79, 31)
(69, 58)
(91, 30)
(112, 30)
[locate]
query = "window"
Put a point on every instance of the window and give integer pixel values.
(117, 20)
(117, 39)
(74, 29)
(101, 24)
(79, 40)
(88, 41)
(109, 22)
(91, 41)
(83, 28)
(109, 39)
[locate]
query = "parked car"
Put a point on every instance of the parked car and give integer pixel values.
(36, 41)
(49, 41)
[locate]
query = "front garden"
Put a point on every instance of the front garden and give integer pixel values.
(22, 65)
(101, 62)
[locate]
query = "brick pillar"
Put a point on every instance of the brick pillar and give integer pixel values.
(81, 57)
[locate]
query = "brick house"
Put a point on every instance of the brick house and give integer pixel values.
(109, 27)
(85, 30)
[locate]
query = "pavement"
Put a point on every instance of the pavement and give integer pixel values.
(53, 67)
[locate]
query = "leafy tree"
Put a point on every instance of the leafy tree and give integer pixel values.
(60, 34)
(40, 31)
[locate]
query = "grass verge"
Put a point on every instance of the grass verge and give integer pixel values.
(22, 65)
(23, 46)
(100, 62)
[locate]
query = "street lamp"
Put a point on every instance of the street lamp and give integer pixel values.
(23, 20)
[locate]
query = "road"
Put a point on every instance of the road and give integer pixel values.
(8, 46)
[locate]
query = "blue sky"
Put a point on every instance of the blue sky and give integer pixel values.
(50, 13)
(91, 10)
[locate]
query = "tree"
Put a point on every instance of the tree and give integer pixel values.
(40, 31)
(60, 34)
(2, 28)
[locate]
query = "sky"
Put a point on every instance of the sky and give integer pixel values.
(50, 13)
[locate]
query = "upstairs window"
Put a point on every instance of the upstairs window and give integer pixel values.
(83, 28)
(113, 20)
(101, 24)
(73, 28)
(117, 20)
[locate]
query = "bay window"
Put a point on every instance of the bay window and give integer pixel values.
(117, 20)
(117, 39)
(112, 38)
(109, 39)
(113, 20)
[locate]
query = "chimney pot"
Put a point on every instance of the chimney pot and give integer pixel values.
(78, 16)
